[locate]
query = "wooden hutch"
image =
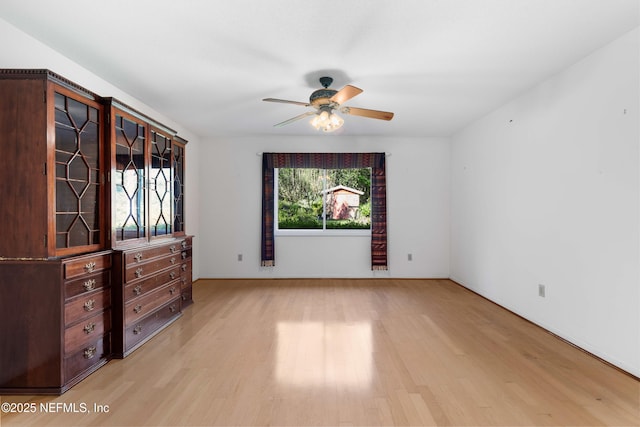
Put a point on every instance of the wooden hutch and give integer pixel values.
(94, 259)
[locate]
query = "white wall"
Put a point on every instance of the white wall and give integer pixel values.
(417, 199)
(545, 190)
(19, 50)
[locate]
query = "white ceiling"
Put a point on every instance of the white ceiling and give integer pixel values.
(438, 64)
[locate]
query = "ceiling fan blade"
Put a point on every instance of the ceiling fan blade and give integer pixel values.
(284, 101)
(293, 119)
(373, 114)
(345, 94)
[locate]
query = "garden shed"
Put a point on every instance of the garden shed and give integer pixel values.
(342, 202)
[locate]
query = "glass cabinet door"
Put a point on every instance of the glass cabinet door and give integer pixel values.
(178, 188)
(78, 168)
(160, 185)
(129, 214)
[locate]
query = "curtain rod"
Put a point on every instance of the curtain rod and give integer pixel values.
(386, 154)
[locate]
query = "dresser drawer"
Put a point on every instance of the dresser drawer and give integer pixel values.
(139, 271)
(187, 242)
(185, 281)
(87, 356)
(86, 265)
(138, 331)
(185, 254)
(143, 255)
(87, 284)
(86, 306)
(187, 296)
(141, 287)
(185, 269)
(144, 305)
(86, 331)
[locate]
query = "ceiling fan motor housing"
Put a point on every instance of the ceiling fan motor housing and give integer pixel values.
(321, 97)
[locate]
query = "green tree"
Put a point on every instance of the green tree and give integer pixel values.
(301, 186)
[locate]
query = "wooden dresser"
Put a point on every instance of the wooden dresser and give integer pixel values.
(153, 278)
(56, 322)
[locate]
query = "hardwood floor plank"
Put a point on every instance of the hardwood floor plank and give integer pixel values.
(346, 352)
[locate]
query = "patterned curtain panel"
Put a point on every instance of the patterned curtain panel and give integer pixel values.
(379, 213)
(268, 259)
(376, 161)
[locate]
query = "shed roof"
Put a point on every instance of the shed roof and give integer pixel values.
(342, 187)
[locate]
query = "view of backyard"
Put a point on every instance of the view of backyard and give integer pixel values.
(324, 198)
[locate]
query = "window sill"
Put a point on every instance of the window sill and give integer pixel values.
(322, 233)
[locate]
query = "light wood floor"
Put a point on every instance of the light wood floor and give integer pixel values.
(347, 353)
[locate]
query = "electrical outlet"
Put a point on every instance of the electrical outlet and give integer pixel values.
(541, 290)
(410, 257)
(239, 257)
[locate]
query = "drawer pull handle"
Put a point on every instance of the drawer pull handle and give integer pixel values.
(137, 290)
(89, 305)
(172, 290)
(139, 272)
(184, 297)
(184, 255)
(137, 309)
(173, 260)
(89, 285)
(138, 256)
(89, 327)
(172, 308)
(184, 243)
(184, 280)
(89, 352)
(172, 275)
(184, 267)
(137, 330)
(90, 266)
(173, 249)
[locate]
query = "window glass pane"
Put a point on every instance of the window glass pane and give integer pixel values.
(324, 199)
(347, 199)
(300, 198)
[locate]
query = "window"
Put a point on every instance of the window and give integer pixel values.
(326, 161)
(323, 199)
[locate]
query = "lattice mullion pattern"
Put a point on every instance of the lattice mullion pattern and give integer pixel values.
(129, 203)
(77, 173)
(162, 181)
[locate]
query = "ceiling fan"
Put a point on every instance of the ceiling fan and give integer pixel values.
(325, 101)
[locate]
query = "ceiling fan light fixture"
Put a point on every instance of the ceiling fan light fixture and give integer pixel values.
(327, 120)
